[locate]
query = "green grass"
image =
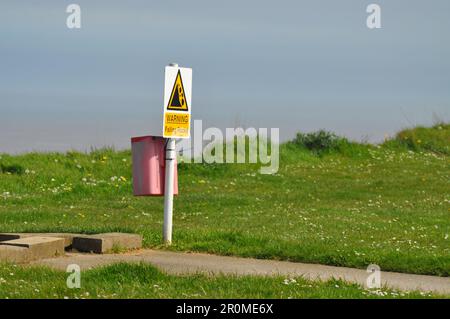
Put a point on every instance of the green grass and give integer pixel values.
(144, 281)
(352, 206)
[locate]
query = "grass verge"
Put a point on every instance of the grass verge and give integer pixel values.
(145, 281)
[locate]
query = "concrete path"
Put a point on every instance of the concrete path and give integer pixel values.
(189, 263)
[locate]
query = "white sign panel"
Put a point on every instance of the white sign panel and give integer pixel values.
(177, 102)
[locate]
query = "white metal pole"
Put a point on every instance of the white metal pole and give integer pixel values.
(168, 187)
(168, 190)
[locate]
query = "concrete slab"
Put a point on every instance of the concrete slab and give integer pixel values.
(35, 248)
(107, 242)
(68, 237)
(15, 254)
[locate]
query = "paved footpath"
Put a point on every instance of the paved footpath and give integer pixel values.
(189, 263)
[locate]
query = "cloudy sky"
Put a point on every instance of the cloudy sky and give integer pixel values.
(296, 65)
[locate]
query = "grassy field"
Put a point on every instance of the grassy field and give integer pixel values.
(341, 204)
(144, 281)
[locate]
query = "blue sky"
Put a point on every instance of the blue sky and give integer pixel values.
(296, 65)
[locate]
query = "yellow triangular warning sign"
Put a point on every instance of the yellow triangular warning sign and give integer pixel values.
(177, 99)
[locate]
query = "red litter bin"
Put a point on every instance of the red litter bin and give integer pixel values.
(149, 160)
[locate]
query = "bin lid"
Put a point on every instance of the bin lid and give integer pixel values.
(143, 138)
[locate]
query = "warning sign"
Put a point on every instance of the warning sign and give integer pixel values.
(177, 98)
(176, 125)
(177, 102)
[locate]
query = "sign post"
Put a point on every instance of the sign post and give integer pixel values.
(168, 190)
(176, 124)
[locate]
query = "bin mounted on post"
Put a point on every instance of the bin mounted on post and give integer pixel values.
(149, 158)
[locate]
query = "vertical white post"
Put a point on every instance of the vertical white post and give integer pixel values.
(168, 188)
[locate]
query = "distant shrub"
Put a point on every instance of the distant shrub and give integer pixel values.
(320, 141)
(435, 139)
(12, 169)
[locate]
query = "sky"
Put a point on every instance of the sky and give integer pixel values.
(294, 65)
